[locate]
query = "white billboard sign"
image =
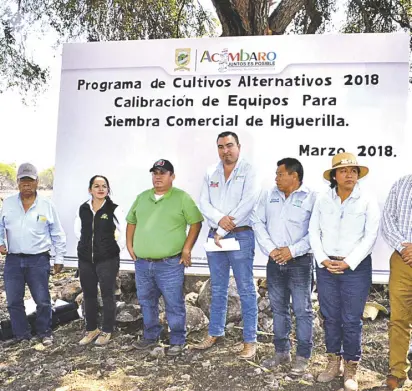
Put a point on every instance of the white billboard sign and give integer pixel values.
(123, 105)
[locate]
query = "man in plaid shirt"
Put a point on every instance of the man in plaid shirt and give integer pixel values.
(397, 228)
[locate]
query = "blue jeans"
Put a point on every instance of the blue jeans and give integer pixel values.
(154, 279)
(34, 271)
(293, 279)
(342, 299)
(242, 265)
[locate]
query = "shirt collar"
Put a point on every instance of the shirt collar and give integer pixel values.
(356, 193)
(301, 189)
(91, 205)
(220, 165)
(166, 195)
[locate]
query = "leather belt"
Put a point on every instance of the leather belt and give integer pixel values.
(236, 229)
(162, 259)
(22, 255)
(336, 258)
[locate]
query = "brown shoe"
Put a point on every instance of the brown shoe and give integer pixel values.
(393, 382)
(350, 379)
(334, 369)
(103, 339)
(90, 336)
(205, 344)
(248, 352)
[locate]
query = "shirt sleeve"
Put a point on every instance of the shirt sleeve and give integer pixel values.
(315, 235)
(131, 216)
(259, 222)
(366, 244)
(245, 207)
(120, 223)
(2, 228)
(77, 226)
(207, 209)
(390, 221)
(58, 237)
(191, 211)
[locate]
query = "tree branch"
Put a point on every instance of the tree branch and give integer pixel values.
(284, 13)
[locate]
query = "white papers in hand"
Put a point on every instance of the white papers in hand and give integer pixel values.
(230, 244)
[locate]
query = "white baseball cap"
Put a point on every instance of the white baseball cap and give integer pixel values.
(27, 170)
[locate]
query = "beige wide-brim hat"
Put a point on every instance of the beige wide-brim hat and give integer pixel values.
(345, 159)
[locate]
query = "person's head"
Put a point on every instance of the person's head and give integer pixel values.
(345, 172)
(289, 175)
(228, 147)
(99, 187)
(27, 179)
(163, 175)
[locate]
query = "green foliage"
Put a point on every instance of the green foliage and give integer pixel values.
(8, 176)
(46, 178)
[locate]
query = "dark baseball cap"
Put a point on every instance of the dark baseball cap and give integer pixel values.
(163, 164)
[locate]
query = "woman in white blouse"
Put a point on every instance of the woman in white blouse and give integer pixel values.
(98, 222)
(342, 232)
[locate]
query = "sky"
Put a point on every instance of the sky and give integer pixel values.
(28, 132)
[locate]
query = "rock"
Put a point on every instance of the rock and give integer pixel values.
(185, 377)
(128, 313)
(234, 313)
(191, 299)
(127, 282)
(157, 352)
(79, 299)
(287, 378)
(70, 290)
(265, 323)
(258, 371)
(196, 320)
(308, 377)
(263, 303)
(206, 364)
(193, 283)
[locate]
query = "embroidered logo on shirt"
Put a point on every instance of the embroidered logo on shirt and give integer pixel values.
(104, 216)
(297, 203)
(274, 200)
(239, 177)
(214, 184)
(41, 218)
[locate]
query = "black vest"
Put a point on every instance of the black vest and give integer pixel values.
(97, 241)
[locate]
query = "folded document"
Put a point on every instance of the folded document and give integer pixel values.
(230, 244)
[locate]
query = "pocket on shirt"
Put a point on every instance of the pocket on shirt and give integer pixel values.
(298, 216)
(355, 220)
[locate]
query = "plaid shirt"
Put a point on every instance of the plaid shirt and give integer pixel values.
(397, 214)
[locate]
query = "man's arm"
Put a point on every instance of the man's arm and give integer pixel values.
(315, 234)
(3, 249)
(189, 243)
(58, 238)
(390, 221)
(205, 206)
(259, 222)
(250, 196)
(129, 239)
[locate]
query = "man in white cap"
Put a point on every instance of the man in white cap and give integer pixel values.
(30, 225)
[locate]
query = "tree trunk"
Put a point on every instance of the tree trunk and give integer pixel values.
(284, 13)
(242, 17)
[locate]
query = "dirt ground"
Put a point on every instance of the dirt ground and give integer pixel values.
(66, 366)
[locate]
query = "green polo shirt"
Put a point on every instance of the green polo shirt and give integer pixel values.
(161, 225)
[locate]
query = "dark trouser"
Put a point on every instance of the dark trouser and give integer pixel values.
(35, 271)
(342, 299)
(293, 279)
(103, 272)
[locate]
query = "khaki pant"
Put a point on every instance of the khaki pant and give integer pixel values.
(400, 294)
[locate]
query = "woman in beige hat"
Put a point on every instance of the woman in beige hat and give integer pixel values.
(342, 232)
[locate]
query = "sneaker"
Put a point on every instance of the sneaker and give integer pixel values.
(144, 344)
(90, 336)
(47, 341)
(103, 339)
(299, 366)
(175, 350)
(277, 360)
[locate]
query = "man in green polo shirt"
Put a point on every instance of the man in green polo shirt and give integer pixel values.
(157, 242)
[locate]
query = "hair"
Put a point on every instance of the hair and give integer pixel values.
(292, 165)
(227, 134)
(93, 178)
(332, 175)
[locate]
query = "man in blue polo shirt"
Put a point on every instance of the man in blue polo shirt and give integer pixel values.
(31, 226)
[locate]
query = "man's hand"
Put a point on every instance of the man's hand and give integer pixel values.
(335, 267)
(281, 255)
(131, 252)
(217, 240)
(406, 253)
(186, 258)
(57, 268)
(3, 250)
(227, 223)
